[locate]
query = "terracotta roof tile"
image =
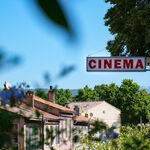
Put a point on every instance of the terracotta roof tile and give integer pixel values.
(19, 111)
(53, 104)
(81, 119)
(46, 115)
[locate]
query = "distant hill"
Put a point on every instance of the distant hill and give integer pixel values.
(73, 91)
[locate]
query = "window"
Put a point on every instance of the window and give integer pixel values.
(104, 111)
(66, 127)
(32, 137)
(51, 135)
(70, 129)
(57, 135)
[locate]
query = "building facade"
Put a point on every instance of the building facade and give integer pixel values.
(40, 118)
(100, 110)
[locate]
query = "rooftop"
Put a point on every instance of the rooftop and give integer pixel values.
(62, 108)
(88, 105)
(46, 115)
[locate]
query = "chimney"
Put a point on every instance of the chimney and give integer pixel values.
(51, 95)
(29, 98)
(76, 108)
(5, 85)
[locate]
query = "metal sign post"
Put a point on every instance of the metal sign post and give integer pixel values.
(148, 63)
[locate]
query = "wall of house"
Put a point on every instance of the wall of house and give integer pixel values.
(63, 140)
(66, 134)
(19, 127)
(50, 136)
(106, 113)
(46, 108)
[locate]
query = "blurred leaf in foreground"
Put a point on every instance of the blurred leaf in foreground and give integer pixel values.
(54, 12)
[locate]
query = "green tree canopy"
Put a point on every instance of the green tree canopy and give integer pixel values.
(133, 102)
(107, 92)
(41, 94)
(129, 22)
(63, 97)
(87, 94)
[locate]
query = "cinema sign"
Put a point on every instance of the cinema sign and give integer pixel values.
(112, 64)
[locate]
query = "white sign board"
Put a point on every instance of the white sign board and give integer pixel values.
(120, 64)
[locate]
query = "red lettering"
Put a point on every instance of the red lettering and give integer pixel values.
(99, 64)
(91, 64)
(128, 63)
(107, 63)
(117, 64)
(139, 64)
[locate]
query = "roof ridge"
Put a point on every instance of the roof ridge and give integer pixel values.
(95, 105)
(54, 104)
(30, 109)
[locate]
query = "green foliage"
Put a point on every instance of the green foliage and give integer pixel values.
(92, 141)
(53, 11)
(129, 22)
(133, 102)
(41, 94)
(130, 138)
(87, 94)
(6, 126)
(108, 92)
(63, 97)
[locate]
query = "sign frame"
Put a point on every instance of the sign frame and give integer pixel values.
(119, 70)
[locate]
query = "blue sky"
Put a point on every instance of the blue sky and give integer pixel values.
(46, 48)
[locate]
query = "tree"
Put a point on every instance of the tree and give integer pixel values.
(107, 92)
(144, 106)
(129, 22)
(133, 102)
(130, 138)
(63, 97)
(87, 94)
(41, 94)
